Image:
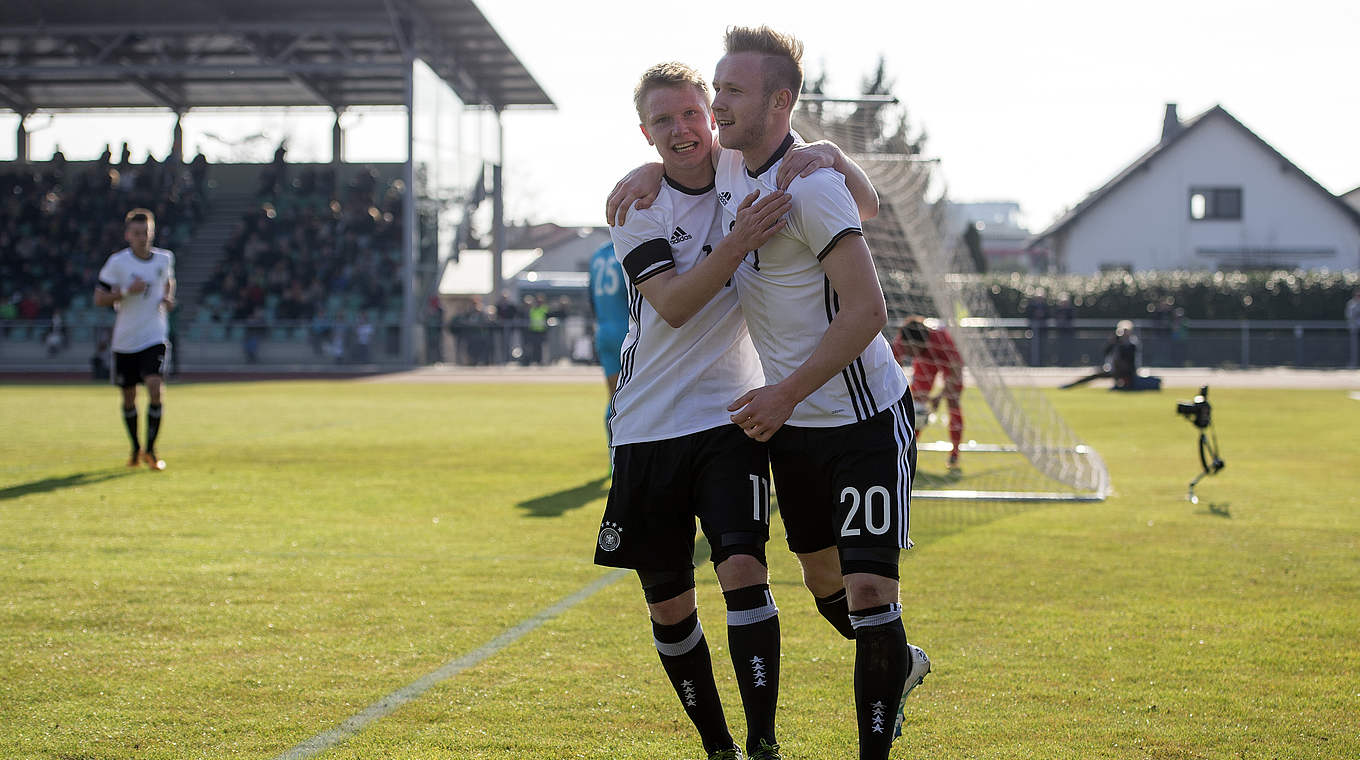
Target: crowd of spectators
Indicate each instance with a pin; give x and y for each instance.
(510, 330)
(310, 251)
(60, 221)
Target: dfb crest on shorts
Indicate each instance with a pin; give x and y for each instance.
(610, 536)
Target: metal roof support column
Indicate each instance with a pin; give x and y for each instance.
(408, 227)
(337, 140)
(21, 140)
(177, 140)
(498, 209)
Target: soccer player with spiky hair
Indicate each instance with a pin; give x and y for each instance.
(139, 283)
(835, 406)
(677, 455)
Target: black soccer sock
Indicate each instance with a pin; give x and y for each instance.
(753, 638)
(153, 425)
(684, 656)
(881, 663)
(836, 609)
(130, 420)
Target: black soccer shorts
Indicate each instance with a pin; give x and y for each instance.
(848, 487)
(719, 476)
(134, 368)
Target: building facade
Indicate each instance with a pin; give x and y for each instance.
(1210, 195)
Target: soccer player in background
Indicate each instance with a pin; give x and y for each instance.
(139, 283)
(677, 455)
(609, 302)
(932, 354)
(835, 407)
(1120, 360)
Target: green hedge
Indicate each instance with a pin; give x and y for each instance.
(1204, 295)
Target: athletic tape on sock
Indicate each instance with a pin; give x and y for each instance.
(677, 648)
(876, 616)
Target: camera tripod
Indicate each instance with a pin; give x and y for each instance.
(1208, 459)
(1200, 414)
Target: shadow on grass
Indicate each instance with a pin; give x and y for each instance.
(931, 519)
(934, 519)
(1220, 510)
(75, 480)
(554, 504)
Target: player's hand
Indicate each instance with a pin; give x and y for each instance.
(759, 220)
(640, 186)
(804, 159)
(761, 412)
(138, 286)
(168, 302)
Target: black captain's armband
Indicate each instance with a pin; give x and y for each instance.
(648, 260)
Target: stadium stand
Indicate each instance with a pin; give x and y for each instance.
(441, 62)
(306, 249)
(59, 221)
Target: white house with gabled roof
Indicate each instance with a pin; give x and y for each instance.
(1353, 198)
(1210, 195)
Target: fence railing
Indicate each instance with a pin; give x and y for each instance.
(33, 344)
(1207, 343)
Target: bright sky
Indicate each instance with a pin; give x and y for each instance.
(1037, 102)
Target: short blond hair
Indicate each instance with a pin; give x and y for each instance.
(669, 74)
(140, 215)
(784, 55)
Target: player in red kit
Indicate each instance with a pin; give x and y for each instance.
(933, 353)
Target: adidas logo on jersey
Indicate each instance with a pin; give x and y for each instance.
(723, 198)
(679, 236)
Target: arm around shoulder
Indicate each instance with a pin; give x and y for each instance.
(803, 160)
(857, 182)
(679, 296)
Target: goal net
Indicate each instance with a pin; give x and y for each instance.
(1015, 447)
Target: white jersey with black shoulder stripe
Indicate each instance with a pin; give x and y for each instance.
(141, 322)
(675, 381)
(788, 300)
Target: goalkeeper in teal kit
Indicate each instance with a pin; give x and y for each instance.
(609, 300)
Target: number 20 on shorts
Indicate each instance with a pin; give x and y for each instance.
(877, 503)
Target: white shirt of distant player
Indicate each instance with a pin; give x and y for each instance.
(676, 381)
(141, 321)
(788, 300)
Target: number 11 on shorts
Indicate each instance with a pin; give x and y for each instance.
(760, 498)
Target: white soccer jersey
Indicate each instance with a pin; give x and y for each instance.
(141, 321)
(788, 300)
(676, 381)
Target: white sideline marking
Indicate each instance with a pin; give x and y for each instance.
(390, 703)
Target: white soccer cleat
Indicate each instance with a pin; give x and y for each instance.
(920, 666)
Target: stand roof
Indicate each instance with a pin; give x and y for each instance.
(182, 54)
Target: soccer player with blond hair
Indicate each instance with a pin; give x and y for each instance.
(835, 407)
(677, 455)
(139, 283)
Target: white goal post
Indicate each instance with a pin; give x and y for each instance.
(1017, 448)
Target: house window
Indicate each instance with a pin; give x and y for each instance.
(1215, 203)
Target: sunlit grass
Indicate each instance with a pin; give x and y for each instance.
(316, 546)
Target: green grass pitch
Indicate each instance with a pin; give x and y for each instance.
(316, 546)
